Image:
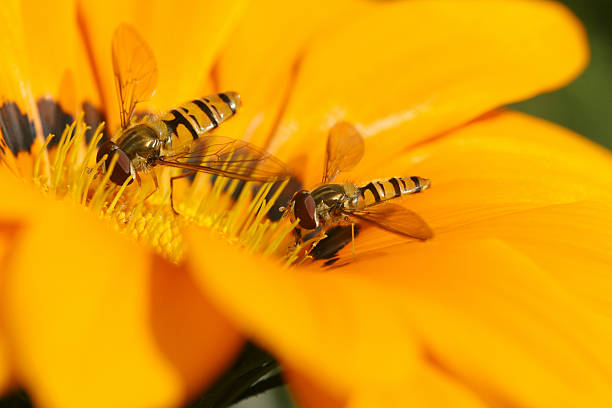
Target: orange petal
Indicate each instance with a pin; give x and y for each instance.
(260, 57)
(503, 144)
(185, 39)
(45, 80)
(331, 326)
(308, 393)
(547, 235)
(450, 61)
(15, 71)
(501, 164)
(482, 320)
(6, 368)
(7, 237)
(91, 313)
(59, 67)
(44, 63)
(431, 388)
(494, 319)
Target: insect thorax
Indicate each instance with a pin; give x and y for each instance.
(330, 199)
(142, 144)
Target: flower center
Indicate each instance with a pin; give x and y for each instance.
(236, 210)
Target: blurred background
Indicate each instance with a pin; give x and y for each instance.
(584, 106)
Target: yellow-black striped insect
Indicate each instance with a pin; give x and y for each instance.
(177, 138)
(337, 204)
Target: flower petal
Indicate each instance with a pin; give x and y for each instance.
(485, 321)
(96, 320)
(59, 67)
(7, 236)
(44, 72)
(259, 59)
(6, 368)
(501, 164)
(308, 393)
(450, 61)
(185, 38)
(431, 388)
(495, 320)
(330, 326)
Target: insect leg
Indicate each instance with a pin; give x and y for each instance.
(156, 187)
(189, 173)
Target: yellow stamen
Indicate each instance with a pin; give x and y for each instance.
(243, 221)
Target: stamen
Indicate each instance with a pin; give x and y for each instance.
(234, 209)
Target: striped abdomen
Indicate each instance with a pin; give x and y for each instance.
(378, 191)
(192, 119)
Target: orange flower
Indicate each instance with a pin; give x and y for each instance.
(506, 306)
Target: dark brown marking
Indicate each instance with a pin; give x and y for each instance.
(396, 186)
(228, 101)
(179, 119)
(204, 108)
(370, 186)
(382, 188)
(417, 184)
(17, 128)
(53, 119)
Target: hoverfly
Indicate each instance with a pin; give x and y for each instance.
(336, 204)
(176, 138)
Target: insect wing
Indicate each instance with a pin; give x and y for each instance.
(345, 149)
(397, 219)
(229, 157)
(135, 70)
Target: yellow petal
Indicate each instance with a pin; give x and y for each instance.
(44, 64)
(16, 92)
(6, 368)
(488, 323)
(96, 320)
(59, 67)
(492, 318)
(418, 68)
(308, 393)
(431, 388)
(184, 37)
(501, 164)
(261, 57)
(331, 326)
(7, 237)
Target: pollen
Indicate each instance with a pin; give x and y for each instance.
(235, 210)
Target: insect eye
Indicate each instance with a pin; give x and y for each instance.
(304, 208)
(123, 167)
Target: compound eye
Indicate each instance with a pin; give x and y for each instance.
(304, 208)
(123, 167)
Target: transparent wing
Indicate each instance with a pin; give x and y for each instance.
(345, 148)
(135, 70)
(228, 157)
(397, 219)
